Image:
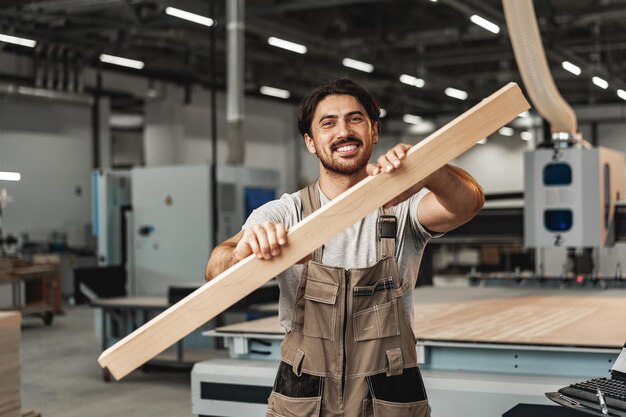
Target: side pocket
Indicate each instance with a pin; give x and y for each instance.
(293, 395)
(388, 409)
(320, 318)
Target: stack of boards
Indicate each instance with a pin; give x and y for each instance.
(10, 404)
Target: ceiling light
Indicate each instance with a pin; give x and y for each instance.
(412, 119)
(290, 46)
(274, 92)
(524, 114)
(482, 141)
(485, 24)
(192, 17)
(600, 82)
(574, 69)
(526, 135)
(383, 112)
(506, 131)
(455, 93)
(411, 80)
(124, 62)
(10, 176)
(18, 41)
(358, 65)
(621, 94)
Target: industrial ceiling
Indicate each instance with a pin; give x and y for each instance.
(434, 41)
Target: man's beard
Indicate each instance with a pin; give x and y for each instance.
(341, 167)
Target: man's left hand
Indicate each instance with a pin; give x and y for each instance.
(390, 162)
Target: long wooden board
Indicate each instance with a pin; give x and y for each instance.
(235, 283)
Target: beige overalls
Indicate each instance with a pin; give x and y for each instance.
(351, 350)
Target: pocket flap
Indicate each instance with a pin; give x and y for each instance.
(322, 292)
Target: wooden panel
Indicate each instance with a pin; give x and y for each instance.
(581, 320)
(246, 276)
(567, 320)
(10, 404)
(266, 325)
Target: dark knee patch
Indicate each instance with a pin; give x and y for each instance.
(291, 385)
(405, 388)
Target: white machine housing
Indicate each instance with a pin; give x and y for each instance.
(570, 196)
(111, 192)
(172, 233)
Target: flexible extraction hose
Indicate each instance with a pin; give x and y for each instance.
(533, 66)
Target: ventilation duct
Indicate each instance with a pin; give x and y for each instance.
(533, 67)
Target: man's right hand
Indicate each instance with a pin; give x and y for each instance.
(263, 240)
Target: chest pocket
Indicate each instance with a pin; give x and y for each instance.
(377, 309)
(320, 309)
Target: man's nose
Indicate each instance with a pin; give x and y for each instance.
(343, 129)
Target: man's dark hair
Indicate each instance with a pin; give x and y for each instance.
(342, 86)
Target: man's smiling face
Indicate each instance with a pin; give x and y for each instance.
(342, 134)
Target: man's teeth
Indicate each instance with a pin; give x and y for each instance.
(346, 148)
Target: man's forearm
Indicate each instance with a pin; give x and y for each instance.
(457, 191)
(222, 258)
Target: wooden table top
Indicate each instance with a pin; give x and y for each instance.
(582, 319)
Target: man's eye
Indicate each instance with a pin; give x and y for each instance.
(356, 119)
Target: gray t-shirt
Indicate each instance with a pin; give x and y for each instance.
(354, 248)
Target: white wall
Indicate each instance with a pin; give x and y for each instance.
(179, 133)
(50, 144)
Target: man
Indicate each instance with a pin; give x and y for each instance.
(349, 349)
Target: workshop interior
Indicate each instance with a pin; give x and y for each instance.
(136, 135)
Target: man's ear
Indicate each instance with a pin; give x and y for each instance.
(375, 130)
(310, 146)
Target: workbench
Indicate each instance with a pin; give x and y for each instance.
(34, 288)
(122, 315)
(481, 350)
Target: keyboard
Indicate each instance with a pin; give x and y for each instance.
(614, 392)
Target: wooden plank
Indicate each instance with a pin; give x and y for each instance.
(232, 285)
(558, 320)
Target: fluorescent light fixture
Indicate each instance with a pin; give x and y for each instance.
(621, 94)
(411, 80)
(526, 135)
(568, 66)
(485, 24)
(412, 119)
(274, 92)
(600, 82)
(482, 141)
(506, 131)
(290, 46)
(383, 112)
(9, 176)
(18, 41)
(126, 121)
(192, 17)
(357, 65)
(455, 93)
(524, 114)
(124, 62)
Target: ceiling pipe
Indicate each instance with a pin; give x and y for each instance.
(533, 66)
(235, 81)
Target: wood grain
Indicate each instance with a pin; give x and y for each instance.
(235, 283)
(584, 321)
(545, 320)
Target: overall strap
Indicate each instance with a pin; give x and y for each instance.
(385, 246)
(310, 202)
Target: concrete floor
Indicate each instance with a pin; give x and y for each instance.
(61, 376)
